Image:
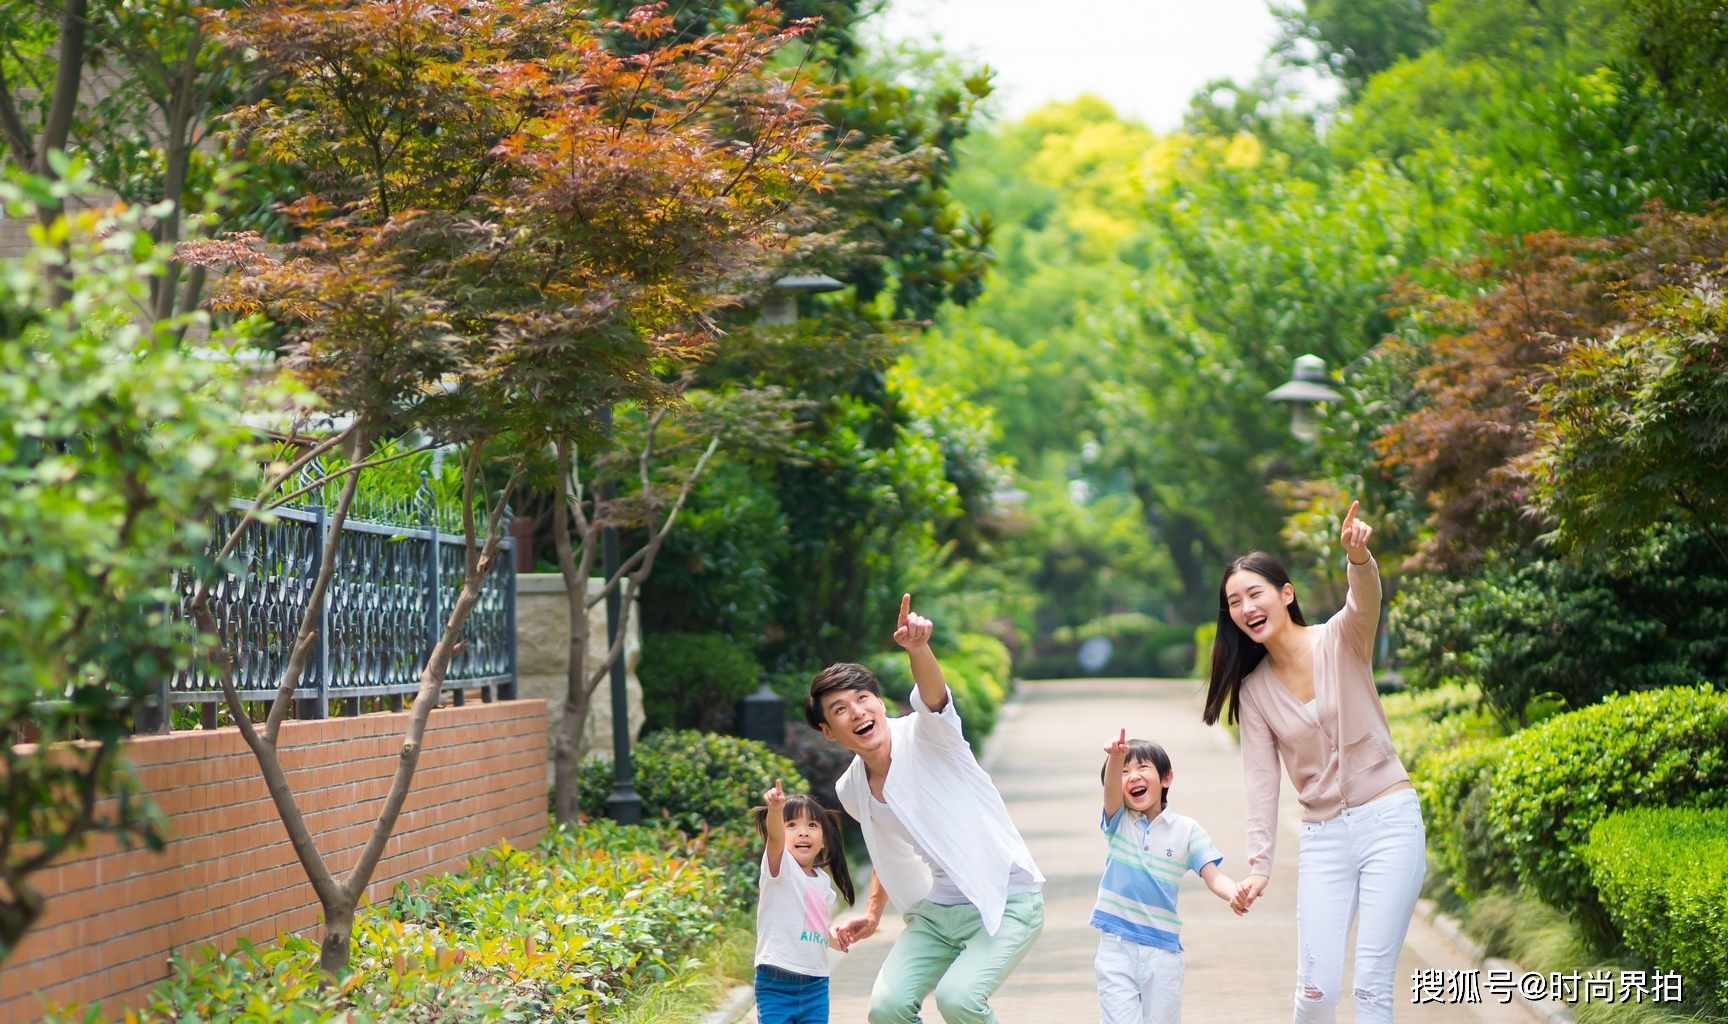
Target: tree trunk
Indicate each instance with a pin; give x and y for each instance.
(338, 941)
(67, 80)
(18, 913)
(567, 757)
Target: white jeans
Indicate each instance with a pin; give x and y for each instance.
(1368, 860)
(1138, 984)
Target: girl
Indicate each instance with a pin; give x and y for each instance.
(1305, 695)
(1139, 961)
(796, 907)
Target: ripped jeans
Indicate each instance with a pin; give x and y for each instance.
(1366, 861)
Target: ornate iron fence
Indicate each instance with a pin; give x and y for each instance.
(393, 588)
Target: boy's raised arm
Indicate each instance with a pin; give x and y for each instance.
(914, 635)
(1118, 751)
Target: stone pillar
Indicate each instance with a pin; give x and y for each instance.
(542, 657)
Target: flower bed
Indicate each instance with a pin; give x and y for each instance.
(561, 933)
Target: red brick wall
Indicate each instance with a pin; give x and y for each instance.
(228, 871)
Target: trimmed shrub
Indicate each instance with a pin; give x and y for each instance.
(692, 780)
(1662, 875)
(694, 680)
(1455, 785)
(1665, 748)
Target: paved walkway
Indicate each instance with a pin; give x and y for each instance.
(1045, 757)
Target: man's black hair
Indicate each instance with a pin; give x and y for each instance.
(845, 675)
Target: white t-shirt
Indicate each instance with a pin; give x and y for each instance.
(951, 815)
(792, 918)
(943, 891)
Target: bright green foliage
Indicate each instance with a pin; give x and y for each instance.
(607, 908)
(1667, 748)
(977, 669)
(115, 448)
(1652, 617)
(1662, 874)
(692, 680)
(692, 780)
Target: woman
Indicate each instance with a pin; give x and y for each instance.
(1305, 695)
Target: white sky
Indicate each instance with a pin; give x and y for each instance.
(1145, 56)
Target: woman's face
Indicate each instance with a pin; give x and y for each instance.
(1258, 608)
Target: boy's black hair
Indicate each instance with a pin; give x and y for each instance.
(844, 675)
(833, 855)
(1145, 752)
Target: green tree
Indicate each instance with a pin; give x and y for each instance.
(116, 450)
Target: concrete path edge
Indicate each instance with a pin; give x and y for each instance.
(1452, 930)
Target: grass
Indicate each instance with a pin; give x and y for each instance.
(1537, 937)
(722, 965)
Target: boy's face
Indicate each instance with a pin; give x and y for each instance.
(1142, 789)
(855, 719)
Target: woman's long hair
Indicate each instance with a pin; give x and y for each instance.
(833, 855)
(1233, 654)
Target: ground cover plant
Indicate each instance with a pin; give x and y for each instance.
(571, 930)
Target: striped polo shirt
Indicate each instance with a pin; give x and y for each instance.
(1146, 862)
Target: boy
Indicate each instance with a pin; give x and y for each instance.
(1139, 962)
(940, 839)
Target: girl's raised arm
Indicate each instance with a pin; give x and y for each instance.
(774, 825)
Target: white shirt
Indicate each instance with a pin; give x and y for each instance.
(792, 918)
(951, 818)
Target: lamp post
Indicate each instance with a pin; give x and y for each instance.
(1305, 389)
(624, 805)
(780, 309)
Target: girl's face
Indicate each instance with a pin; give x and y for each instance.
(1258, 608)
(804, 840)
(1142, 789)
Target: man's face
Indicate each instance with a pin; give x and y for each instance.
(855, 719)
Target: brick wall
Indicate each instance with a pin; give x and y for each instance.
(228, 872)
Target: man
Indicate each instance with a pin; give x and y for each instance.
(940, 839)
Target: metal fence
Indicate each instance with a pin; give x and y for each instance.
(392, 590)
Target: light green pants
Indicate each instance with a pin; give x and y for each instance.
(946, 950)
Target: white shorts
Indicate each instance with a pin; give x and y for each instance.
(1138, 984)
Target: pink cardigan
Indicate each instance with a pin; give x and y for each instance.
(1344, 760)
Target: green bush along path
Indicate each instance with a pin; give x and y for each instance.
(1045, 757)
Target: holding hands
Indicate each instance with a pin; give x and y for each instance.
(1354, 536)
(1247, 891)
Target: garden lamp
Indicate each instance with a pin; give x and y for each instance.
(1305, 389)
(780, 309)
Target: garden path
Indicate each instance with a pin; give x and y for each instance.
(1045, 756)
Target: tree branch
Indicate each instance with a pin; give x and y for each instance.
(314, 603)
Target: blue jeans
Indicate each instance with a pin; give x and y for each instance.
(786, 998)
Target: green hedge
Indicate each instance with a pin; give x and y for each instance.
(692, 780)
(608, 909)
(1554, 781)
(1662, 874)
(694, 680)
(1455, 785)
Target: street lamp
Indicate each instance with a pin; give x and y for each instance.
(780, 309)
(1304, 390)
